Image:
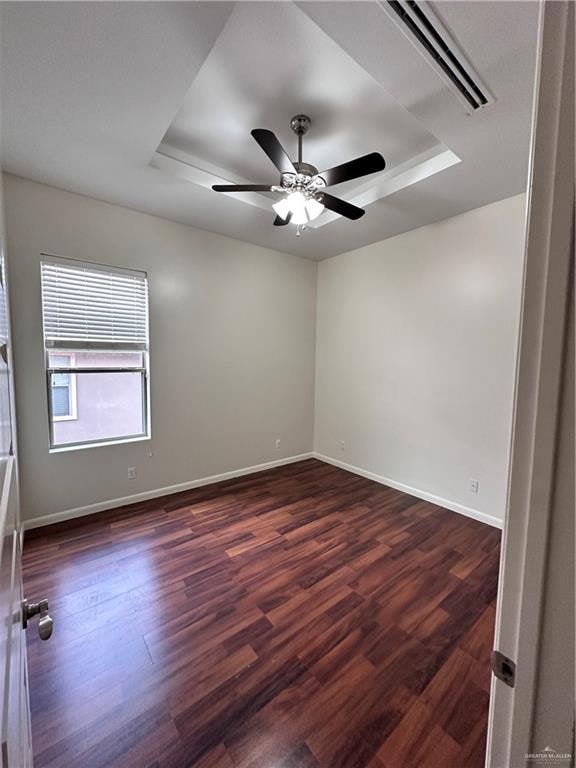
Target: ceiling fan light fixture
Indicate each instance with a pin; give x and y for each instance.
(302, 208)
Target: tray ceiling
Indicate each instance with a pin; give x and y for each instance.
(148, 104)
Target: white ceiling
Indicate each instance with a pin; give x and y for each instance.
(147, 104)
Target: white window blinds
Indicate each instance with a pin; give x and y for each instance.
(93, 305)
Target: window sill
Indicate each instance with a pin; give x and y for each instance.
(98, 444)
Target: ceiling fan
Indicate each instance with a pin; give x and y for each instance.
(302, 186)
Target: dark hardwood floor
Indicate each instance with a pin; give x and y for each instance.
(299, 617)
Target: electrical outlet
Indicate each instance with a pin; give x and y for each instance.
(342, 445)
(131, 473)
(277, 444)
(473, 486)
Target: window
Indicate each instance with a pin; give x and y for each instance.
(96, 352)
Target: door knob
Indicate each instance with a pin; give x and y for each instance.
(45, 621)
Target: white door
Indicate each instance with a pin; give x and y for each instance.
(16, 740)
(513, 720)
(16, 743)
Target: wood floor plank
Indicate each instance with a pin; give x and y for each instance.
(303, 617)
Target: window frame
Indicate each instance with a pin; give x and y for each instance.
(69, 346)
(72, 399)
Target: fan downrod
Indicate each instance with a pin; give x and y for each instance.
(300, 125)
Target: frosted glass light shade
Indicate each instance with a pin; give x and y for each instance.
(297, 203)
(313, 209)
(282, 207)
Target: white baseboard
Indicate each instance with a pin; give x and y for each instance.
(101, 506)
(451, 505)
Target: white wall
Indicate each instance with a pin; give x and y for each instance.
(232, 349)
(415, 356)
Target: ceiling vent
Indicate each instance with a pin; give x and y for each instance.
(427, 33)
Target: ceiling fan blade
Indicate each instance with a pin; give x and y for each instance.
(274, 150)
(242, 188)
(362, 166)
(280, 222)
(341, 206)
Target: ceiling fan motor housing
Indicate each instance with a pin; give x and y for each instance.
(306, 181)
(306, 169)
